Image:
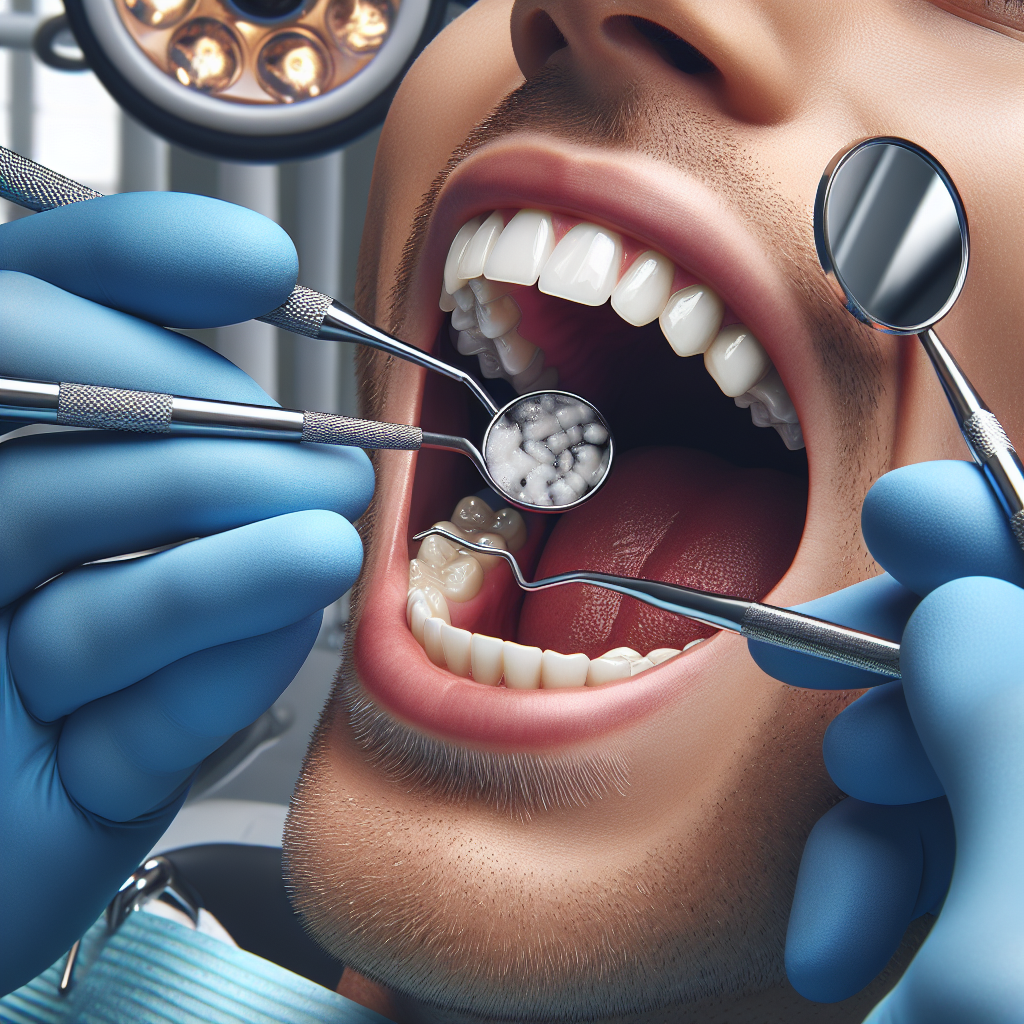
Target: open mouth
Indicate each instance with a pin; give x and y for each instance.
(708, 490)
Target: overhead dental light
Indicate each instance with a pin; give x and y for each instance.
(259, 80)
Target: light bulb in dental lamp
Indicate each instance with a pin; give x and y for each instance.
(254, 80)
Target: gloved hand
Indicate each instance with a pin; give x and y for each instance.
(942, 749)
(118, 679)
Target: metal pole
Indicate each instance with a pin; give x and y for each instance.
(22, 101)
(251, 346)
(145, 159)
(319, 227)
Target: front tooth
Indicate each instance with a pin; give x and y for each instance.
(522, 249)
(498, 317)
(584, 266)
(432, 642)
(642, 293)
(455, 643)
(608, 670)
(522, 666)
(691, 318)
(479, 248)
(487, 659)
(563, 671)
(772, 393)
(447, 301)
(736, 360)
(656, 657)
(453, 280)
(515, 352)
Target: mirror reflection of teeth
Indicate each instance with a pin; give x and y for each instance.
(487, 254)
(441, 572)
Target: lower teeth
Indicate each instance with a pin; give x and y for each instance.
(487, 659)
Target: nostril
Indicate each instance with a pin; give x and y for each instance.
(535, 39)
(682, 55)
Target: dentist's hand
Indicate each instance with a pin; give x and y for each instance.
(116, 680)
(940, 751)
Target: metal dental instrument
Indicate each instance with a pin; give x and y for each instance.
(892, 238)
(147, 412)
(315, 315)
(778, 626)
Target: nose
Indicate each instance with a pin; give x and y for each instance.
(737, 57)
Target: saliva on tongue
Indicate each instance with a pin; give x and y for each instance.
(672, 514)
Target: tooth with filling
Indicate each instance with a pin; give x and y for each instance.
(563, 671)
(522, 666)
(642, 293)
(487, 659)
(479, 248)
(498, 317)
(736, 360)
(584, 265)
(432, 642)
(691, 319)
(455, 643)
(522, 248)
(453, 280)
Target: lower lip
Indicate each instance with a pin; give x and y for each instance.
(397, 674)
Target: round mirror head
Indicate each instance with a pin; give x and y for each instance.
(891, 234)
(548, 451)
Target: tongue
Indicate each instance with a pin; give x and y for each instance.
(670, 514)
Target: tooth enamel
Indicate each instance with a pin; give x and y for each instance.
(464, 298)
(417, 611)
(456, 643)
(691, 319)
(792, 434)
(432, 642)
(490, 367)
(529, 379)
(471, 342)
(522, 666)
(465, 319)
(487, 659)
(662, 654)
(642, 293)
(562, 671)
(607, 670)
(736, 360)
(522, 249)
(693, 643)
(640, 666)
(447, 301)
(453, 281)
(490, 540)
(498, 317)
(772, 393)
(584, 266)
(438, 563)
(473, 515)
(479, 248)
(637, 662)
(484, 291)
(514, 352)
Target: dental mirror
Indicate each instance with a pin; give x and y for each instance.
(891, 235)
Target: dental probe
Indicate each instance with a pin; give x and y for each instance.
(148, 412)
(752, 619)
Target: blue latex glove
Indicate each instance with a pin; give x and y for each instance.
(942, 749)
(118, 679)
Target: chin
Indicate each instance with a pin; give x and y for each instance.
(570, 806)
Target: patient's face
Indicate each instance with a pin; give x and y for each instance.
(499, 833)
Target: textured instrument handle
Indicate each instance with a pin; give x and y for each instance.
(35, 187)
(784, 628)
(327, 428)
(84, 405)
(301, 313)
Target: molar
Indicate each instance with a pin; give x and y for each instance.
(497, 317)
(522, 248)
(607, 670)
(514, 352)
(642, 293)
(473, 515)
(662, 654)
(584, 266)
(453, 280)
(439, 563)
(490, 540)
(691, 319)
(736, 360)
(474, 256)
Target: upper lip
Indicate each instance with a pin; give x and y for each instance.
(691, 225)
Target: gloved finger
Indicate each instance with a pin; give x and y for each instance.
(934, 522)
(123, 755)
(175, 259)
(873, 752)
(75, 497)
(50, 334)
(866, 872)
(100, 628)
(880, 606)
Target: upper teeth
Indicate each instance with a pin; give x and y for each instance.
(585, 266)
